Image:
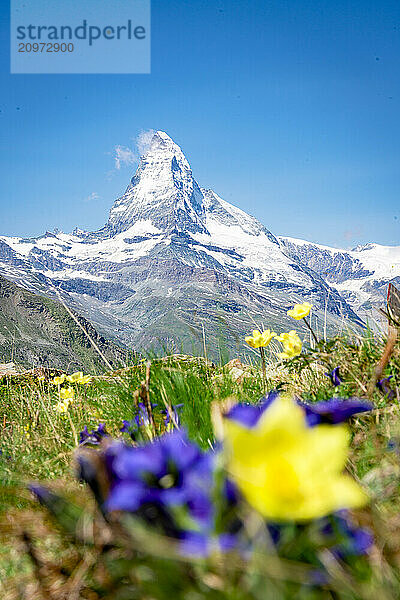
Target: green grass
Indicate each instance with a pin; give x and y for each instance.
(37, 443)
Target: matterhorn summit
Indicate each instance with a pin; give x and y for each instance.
(163, 190)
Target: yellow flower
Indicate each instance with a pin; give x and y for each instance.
(291, 344)
(62, 406)
(299, 311)
(289, 471)
(67, 393)
(59, 380)
(41, 378)
(28, 429)
(79, 378)
(75, 377)
(260, 340)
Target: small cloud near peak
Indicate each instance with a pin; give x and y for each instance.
(92, 196)
(124, 156)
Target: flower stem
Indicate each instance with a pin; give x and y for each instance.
(73, 429)
(311, 330)
(264, 368)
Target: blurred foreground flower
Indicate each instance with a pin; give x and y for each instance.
(299, 311)
(353, 541)
(333, 411)
(288, 470)
(291, 344)
(260, 339)
(171, 471)
(92, 437)
(169, 483)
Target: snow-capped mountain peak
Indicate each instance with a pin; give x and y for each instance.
(162, 189)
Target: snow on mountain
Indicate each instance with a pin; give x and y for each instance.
(163, 188)
(361, 275)
(173, 256)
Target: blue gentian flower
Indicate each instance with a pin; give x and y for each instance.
(142, 418)
(245, 414)
(333, 411)
(170, 483)
(93, 437)
(170, 472)
(249, 414)
(130, 427)
(168, 422)
(334, 377)
(347, 539)
(139, 424)
(384, 386)
(229, 535)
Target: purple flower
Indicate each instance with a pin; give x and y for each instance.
(171, 484)
(142, 418)
(334, 376)
(168, 422)
(130, 427)
(334, 411)
(344, 539)
(141, 421)
(384, 387)
(168, 473)
(224, 533)
(245, 414)
(249, 414)
(93, 437)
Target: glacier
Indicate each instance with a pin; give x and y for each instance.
(360, 275)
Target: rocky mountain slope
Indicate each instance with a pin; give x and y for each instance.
(174, 262)
(361, 275)
(37, 331)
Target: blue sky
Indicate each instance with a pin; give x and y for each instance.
(287, 109)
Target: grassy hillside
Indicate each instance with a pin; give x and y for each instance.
(36, 331)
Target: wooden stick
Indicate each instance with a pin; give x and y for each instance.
(383, 361)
